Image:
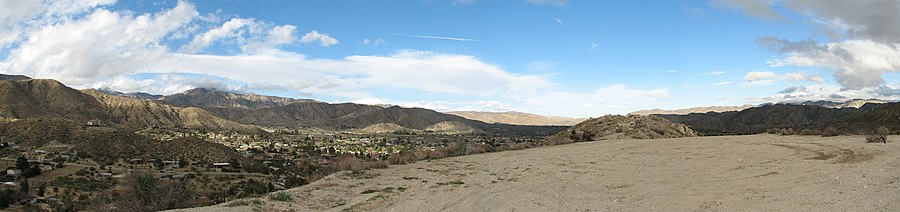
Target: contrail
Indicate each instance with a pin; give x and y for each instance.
(433, 37)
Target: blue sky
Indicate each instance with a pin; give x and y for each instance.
(550, 57)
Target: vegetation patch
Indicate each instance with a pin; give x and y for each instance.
(281, 197)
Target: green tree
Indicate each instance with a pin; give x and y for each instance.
(22, 163)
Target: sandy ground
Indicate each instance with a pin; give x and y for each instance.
(732, 173)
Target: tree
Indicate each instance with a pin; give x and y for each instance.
(41, 189)
(21, 163)
(23, 187)
(149, 193)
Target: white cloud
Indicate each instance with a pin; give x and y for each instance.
(856, 64)
(768, 77)
(723, 83)
(231, 29)
(755, 8)
(102, 44)
(322, 39)
(714, 73)
(831, 93)
(375, 43)
(19, 17)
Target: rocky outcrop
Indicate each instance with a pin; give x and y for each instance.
(623, 127)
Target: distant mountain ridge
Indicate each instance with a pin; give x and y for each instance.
(798, 117)
(517, 118)
(286, 112)
(46, 98)
(212, 98)
(692, 110)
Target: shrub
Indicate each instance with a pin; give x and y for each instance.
(281, 197)
(807, 132)
(831, 131)
(882, 131)
(876, 139)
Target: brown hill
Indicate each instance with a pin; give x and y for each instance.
(517, 118)
(13, 77)
(385, 128)
(211, 98)
(45, 98)
(798, 117)
(451, 127)
(623, 127)
(141, 113)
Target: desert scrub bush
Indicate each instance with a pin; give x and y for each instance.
(876, 139)
(281, 197)
(882, 131)
(830, 131)
(807, 132)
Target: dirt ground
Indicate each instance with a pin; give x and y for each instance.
(728, 173)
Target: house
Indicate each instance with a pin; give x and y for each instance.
(40, 151)
(173, 163)
(221, 165)
(14, 172)
(93, 123)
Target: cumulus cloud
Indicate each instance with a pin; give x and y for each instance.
(316, 37)
(101, 45)
(831, 93)
(250, 34)
(856, 64)
(767, 77)
(755, 8)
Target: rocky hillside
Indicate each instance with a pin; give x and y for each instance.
(797, 117)
(211, 98)
(50, 99)
(621, 127)
(141, 113)
(517, 118)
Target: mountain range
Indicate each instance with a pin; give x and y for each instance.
(517, 118)
(44, 98)
(202, 108)
(815, 118)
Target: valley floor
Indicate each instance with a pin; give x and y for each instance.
(728, 173)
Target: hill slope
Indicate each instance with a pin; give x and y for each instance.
(760, 119)
(286, 112)
(730, 173)
(211, 98)
(517, 118)
(44, 98)
(622, 127)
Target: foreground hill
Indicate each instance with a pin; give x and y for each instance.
(727, 173)
(622, 127)
(797, 117)
(45, 98)
(285, 112)
(517, 118)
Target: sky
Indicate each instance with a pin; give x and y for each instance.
(549, 57)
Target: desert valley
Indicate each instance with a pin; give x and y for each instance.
(449, 105)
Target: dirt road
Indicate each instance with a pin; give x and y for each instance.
(757, 172)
